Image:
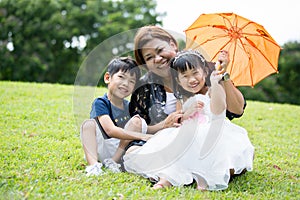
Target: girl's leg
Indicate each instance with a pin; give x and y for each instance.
(162, 183)
(89, 142)
(201, 183)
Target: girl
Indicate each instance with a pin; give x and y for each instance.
(207, 147)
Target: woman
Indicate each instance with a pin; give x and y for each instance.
(154, 99)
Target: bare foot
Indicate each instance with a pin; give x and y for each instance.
(162, 183)
(157, 186)
(201, 188)
(201, 185)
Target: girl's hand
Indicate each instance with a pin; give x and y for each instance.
(215, 78)
(197, 106)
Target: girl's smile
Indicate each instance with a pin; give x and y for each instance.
(192, 80)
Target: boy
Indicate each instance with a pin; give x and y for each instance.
(110, 120)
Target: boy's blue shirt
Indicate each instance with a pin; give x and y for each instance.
(99, 107)
(102, 106)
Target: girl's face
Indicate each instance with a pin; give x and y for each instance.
(121, 84)
(157, 54)
(192, 80)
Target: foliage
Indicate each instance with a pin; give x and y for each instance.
(283, 87)
(46, 41)
(41, 156)
(289, 73)
(49, 40)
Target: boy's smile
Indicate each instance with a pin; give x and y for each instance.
(121, 84)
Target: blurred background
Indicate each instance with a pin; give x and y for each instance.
(47, 41)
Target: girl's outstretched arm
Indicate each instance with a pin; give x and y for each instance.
(217, 94)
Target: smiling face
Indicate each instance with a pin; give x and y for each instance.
(120, 84)
(192, 79)
(157, 54)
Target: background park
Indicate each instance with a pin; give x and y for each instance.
(43, 46)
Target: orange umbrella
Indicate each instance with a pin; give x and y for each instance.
(253, 52)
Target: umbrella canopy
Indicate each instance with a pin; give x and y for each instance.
(252, 51)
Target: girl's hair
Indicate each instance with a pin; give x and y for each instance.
(184, 60)
(146, 34)
(124, 64)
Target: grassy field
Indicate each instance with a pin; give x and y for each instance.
(42, 157)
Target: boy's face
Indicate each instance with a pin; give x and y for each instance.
(121, 84)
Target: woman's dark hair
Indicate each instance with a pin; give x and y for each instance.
(184, 60)
(124, 64)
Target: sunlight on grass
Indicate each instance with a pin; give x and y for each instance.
(42, 157)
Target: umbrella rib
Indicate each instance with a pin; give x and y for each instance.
(221, 48)
(249, 58)
(209, 39)
(266, 38)
(225, 18)
(250, 43)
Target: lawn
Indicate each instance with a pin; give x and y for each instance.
(42, 157)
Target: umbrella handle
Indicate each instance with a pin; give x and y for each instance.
(220, 67)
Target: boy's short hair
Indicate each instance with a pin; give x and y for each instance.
(124, 64)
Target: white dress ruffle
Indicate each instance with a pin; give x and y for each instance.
(205, 146)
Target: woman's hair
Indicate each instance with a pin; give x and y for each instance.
(146, 34)
(124, 64)
(184, 60)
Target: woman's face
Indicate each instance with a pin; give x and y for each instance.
(192, 80)
(157, 54)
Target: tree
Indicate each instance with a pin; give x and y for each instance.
(282, 87)
(46, 41)
(289, 73)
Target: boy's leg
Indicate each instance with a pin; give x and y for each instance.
(120, 150)
(89, 142)
(136, 124)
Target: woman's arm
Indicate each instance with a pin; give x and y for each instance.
(171, 121)
(234, 98)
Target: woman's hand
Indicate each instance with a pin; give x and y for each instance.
(173, 119)
(223, 61)
(146, 137)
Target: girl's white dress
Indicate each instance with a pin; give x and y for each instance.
(206, 146)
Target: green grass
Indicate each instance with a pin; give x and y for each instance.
(42, 157)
